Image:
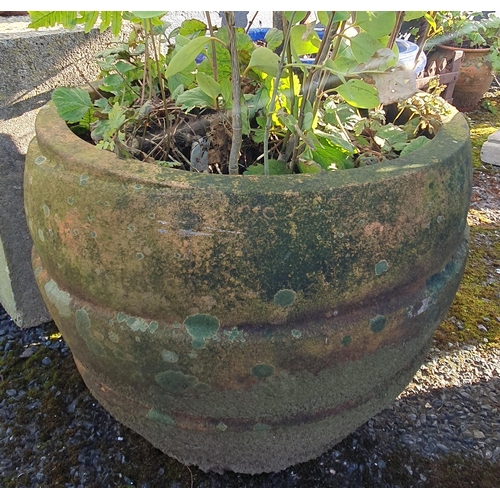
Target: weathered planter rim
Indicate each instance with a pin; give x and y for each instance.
(451, 134)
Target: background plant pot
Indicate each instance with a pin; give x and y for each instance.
(474, 78)
(246, 323)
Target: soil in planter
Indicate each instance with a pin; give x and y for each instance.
(201, 141)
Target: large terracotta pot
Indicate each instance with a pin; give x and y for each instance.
(474, 78)
(246, 323)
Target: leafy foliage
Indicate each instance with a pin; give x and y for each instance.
(467, 29)
(303, 100)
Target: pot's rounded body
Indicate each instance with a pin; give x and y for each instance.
(246, 323)
(474, 77)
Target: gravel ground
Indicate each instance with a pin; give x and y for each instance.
(443, 430)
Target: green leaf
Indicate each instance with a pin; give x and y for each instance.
(392, 133)
(103, 105)
(304, 42)
(208, 85)
(308, 166)
(194, 98)
(359, 94)
(378, 24)
(331, 156)
(116, 117)
(264, 60)
(341, 15)
(410, 15)
(124, 66)
(191, 26)
(341, 65)
(258, 101)
(148, 15)
(335, 138)
(71, 103)
(297, 16)
(113, 82)
(90, 19)
(227, 92)
(275, 168)
(273, 38)
(380, 62)
(113, 19)
(414, 145)
(289, 120)
(324, 17)
(46, 19)
(186, 55)
(363, 46)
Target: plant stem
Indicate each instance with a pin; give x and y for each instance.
(251, 22)
(236, 109)
(212, 41)
(423, 41)
(273, 98)
(400, 16)
(161, 84)
(333, 55)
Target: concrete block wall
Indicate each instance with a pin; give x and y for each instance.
(32, 64)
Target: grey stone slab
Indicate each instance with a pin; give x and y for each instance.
(490, 151)
(32, 64)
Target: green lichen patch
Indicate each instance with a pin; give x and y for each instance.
(284, 298)
(121, 317)
(262, 370)
(160, 417)
(233, 333)
(59, 298)
(261, 427)
(83, 324)
(346, 340)
(201, 327)
(83, 179)
(381, 267)
(377, 324)
(136, 324)
(169, 356)
(175, 382)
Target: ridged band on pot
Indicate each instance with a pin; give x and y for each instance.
(474, 77)
(246, 323)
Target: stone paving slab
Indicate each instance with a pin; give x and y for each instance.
(490, 152)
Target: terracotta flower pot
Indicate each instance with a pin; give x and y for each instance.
(474, 78)
(246, 323)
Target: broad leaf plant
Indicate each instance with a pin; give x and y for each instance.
(312, 96)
